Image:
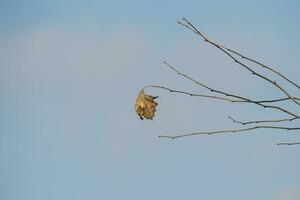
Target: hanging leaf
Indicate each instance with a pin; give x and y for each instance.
(145, 105)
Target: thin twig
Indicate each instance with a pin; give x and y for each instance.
(262, 121)
(288, 143)
(179, 22)
(229, 131)
(229, 94)
(203, 85)
(276, 100)
(195, 94)
(239, 62)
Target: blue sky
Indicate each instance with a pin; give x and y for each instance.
(69, 75)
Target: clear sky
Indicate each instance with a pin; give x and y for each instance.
(69, 75)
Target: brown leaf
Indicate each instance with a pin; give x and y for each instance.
(145, 105)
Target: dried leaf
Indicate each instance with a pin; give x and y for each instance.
(145, 105)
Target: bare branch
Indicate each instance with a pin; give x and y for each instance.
(233, 98)
(195, 94)
(179, 22)
(276, 100)
(262, 65)
(246, 100)
(224, 99)
(288, 143)
(203, 85)
(194, 29)
(262, 121)
(239, 62)
(230, 131)
(224, 93)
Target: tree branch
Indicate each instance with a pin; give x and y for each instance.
(276, 100)
(239, 62)
(195, 94)
(225, 93)
(229, 94)
(262, 65)
(288, 143)
(233, 98)
(262, 121)
(230, 131)
(239, 54)
(226, 100)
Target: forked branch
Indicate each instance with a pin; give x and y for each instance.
(190, 26)
(234, 98)
(226, 94)
(193, 29)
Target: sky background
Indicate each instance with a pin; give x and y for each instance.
(69, 75)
